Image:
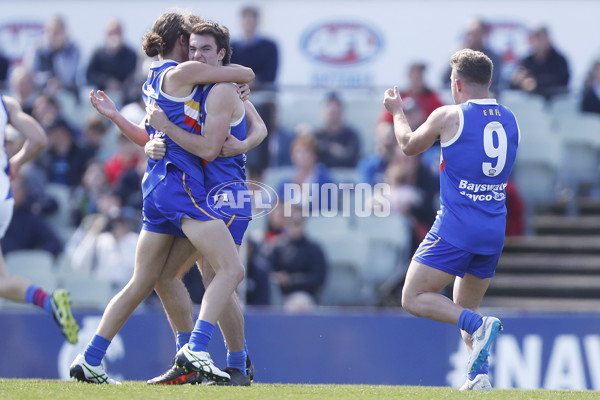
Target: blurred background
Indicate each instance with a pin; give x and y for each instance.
(322, 68)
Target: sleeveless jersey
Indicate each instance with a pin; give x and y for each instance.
(225, 177)
(474, 172)
(183, 112)
(5, 192)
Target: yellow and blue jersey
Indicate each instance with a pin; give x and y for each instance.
(475, 167)
(225, 177)
(184, 112)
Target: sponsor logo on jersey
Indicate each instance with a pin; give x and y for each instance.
(481, 191)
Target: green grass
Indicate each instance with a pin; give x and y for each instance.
(23, 389)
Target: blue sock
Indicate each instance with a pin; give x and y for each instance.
(38, 297)
(96, 350)
(482, 370)
(469, 321)
(237, 360)
(201, 336)
(182, 339)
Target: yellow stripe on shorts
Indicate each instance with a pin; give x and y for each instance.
(428, 247)
(231, 220)
(189, 192)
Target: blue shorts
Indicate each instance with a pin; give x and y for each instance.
(237, 227)
(179, 196)
(439, 254)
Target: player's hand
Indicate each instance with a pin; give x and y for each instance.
(103, 104)
(243, 90)
(157, 117)
(232, 147)
(392, 100)
(156, 148)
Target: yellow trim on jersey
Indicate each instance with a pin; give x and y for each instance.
(231, 220)
(428, 247)
(189, 192)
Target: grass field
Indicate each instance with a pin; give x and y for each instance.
(23, 389)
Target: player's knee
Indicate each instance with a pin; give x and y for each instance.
(408, 301)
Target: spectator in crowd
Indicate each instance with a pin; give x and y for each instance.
(28, 230)
(107, 249)
(425, 98)
(590, 100)
(279, 140)
(515, 211)
(545, 70)
(258, 268)
(113, 63)
(475, 38)
(338, 143)
(299, 265)
(256, 51)
(93, 134)
(127, 156)
(308, 174)
(371, 169)
(63, 160)
(46, 110)
(274, 151)
(86, 196)
(4, 65)
(55, 61)
(22, 88)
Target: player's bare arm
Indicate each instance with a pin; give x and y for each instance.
(257, 132)
(105, 106)
(190, 73)
(221, 102)
(442, 124)
(35, 137)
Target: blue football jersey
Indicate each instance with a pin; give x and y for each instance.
(225, 177)
(183, 112)
(474, 171)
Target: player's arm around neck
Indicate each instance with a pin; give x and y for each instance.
(194, 72)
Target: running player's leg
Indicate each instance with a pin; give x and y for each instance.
(172, 291)
(215, 244)
(232, 325)
(57, 304)
(421, 295)
(468, 293)
(151, 253)
(178, 307)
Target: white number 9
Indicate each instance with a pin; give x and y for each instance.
(498, 152)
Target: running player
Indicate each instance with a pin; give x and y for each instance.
(479, 140)
(173, 189)
(13, 287)
(223, 117)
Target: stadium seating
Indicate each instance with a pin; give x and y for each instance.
(35, 265)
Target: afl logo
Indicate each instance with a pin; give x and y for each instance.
(16, 37)
(237, 197)
(341, 43)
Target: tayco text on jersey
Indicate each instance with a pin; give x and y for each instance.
(481, 192)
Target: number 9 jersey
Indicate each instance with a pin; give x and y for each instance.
(474, 171)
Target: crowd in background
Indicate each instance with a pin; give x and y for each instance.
(100, 170)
